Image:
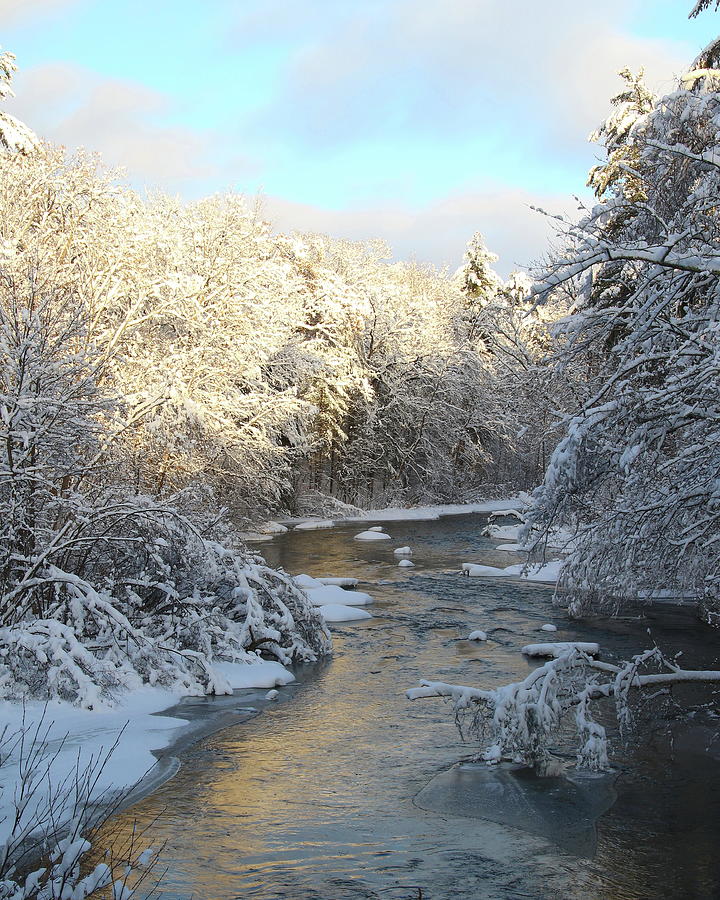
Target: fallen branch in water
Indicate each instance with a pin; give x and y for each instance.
(520, 719)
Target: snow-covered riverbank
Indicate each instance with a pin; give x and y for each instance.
(141, 726)
(72, 738)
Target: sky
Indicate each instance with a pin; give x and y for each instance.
(416, 121)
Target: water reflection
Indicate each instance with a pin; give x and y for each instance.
(315, 798)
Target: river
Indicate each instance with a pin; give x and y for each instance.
(342, 788)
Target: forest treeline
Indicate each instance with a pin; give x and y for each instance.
(258, 367)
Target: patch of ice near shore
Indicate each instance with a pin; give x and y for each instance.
(315, 524)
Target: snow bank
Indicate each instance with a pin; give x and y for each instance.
(372, 536)
(337, 612)
(554, 650)
(136, 723)
(265, 673)
(396, 514)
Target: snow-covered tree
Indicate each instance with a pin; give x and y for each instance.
(14, 135)
(638, 469)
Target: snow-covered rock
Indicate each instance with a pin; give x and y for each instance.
(477, 636)
(272, 528)
(331, 593)
(478, 571)
(503, 532)
(265, 673)
(406, 564)
(510, 513)
(403, 551)
(372, 536)
(548, 627)
(337, 612)
(307, 581)
(272, 695)
(547, 573)
(552, 651)
(376, 528)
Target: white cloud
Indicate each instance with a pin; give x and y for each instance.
(124, 121)
(461, 66)
(438, 232)
(14, 11)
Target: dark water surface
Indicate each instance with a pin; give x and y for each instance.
(344, 789)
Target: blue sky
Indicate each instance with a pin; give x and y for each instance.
(417, 121)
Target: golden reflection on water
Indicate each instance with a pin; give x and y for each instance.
(317, 792)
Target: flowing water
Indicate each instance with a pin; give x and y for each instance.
(344, 789)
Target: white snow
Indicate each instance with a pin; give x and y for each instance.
(376, 528)
(314, 524)
(514, 548)
(554, 650)
(503, 532)
(330, 593)
(307, 581)
(403, 551)
(337, 612)
(496, 514)
(372, 536)
(81, 733)
(265, 673)
(547, 573)
(548, 627)
(478, 571)
(272, 695)
(430, 513)
(406, 564)
(477, 636)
